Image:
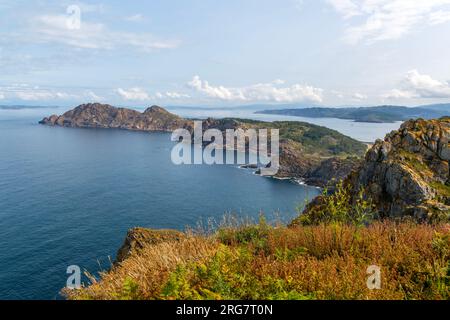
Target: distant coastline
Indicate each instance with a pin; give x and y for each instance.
(377, 114)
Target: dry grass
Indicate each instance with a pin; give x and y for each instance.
(303, 262)
(149, 269)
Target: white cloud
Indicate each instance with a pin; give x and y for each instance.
(136, 94)
(399, 94)
(135, 18)
(139, 94)
(258, 92)
(387, 19)
(175, 95)
(55, 29)
(92, 95)
(439, 17)
(2, 96)
(416, 85)
(338, 94)
(359, 96)
(278, 81)
(35, 93)
(347, 8)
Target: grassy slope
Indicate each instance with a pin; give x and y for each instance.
(313, 138)
(303, 262)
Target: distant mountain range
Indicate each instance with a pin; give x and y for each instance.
(376, 114)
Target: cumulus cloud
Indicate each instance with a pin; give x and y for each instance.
(136, 94)
(388, 19)
(417, 85)
(258, 92)
(399, 94)
(139, 94)
(56, 29)
(2, 96)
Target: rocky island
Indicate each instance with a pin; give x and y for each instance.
(96, 115)
(308, 152)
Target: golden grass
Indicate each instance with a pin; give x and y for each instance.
(149, 269)
(302, 262)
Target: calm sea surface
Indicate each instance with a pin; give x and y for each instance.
(68, 196)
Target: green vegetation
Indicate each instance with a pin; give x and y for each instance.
(442, 189)
(229, 274)
(336, 208)
(313, 138)
(414, 162)
(322, 259)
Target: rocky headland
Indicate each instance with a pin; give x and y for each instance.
(406, 174)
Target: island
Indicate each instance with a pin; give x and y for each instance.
(312, 154)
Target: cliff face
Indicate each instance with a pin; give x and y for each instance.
(332, 170)
(407, 174)
(95, 115)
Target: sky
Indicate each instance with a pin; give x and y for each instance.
(225, 53)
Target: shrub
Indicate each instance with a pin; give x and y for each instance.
(338, 208)
(229, 274)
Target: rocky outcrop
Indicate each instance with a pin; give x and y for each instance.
(294, 162)
(95, 115)
(332, 170)
(312, 169)
(138, 238)
(407, 174)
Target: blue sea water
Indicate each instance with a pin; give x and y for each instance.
(68, 197)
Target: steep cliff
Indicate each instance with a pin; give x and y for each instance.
(406, 174)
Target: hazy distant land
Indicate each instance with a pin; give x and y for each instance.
(378, 114)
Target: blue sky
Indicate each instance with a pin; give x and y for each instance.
(224, 53)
